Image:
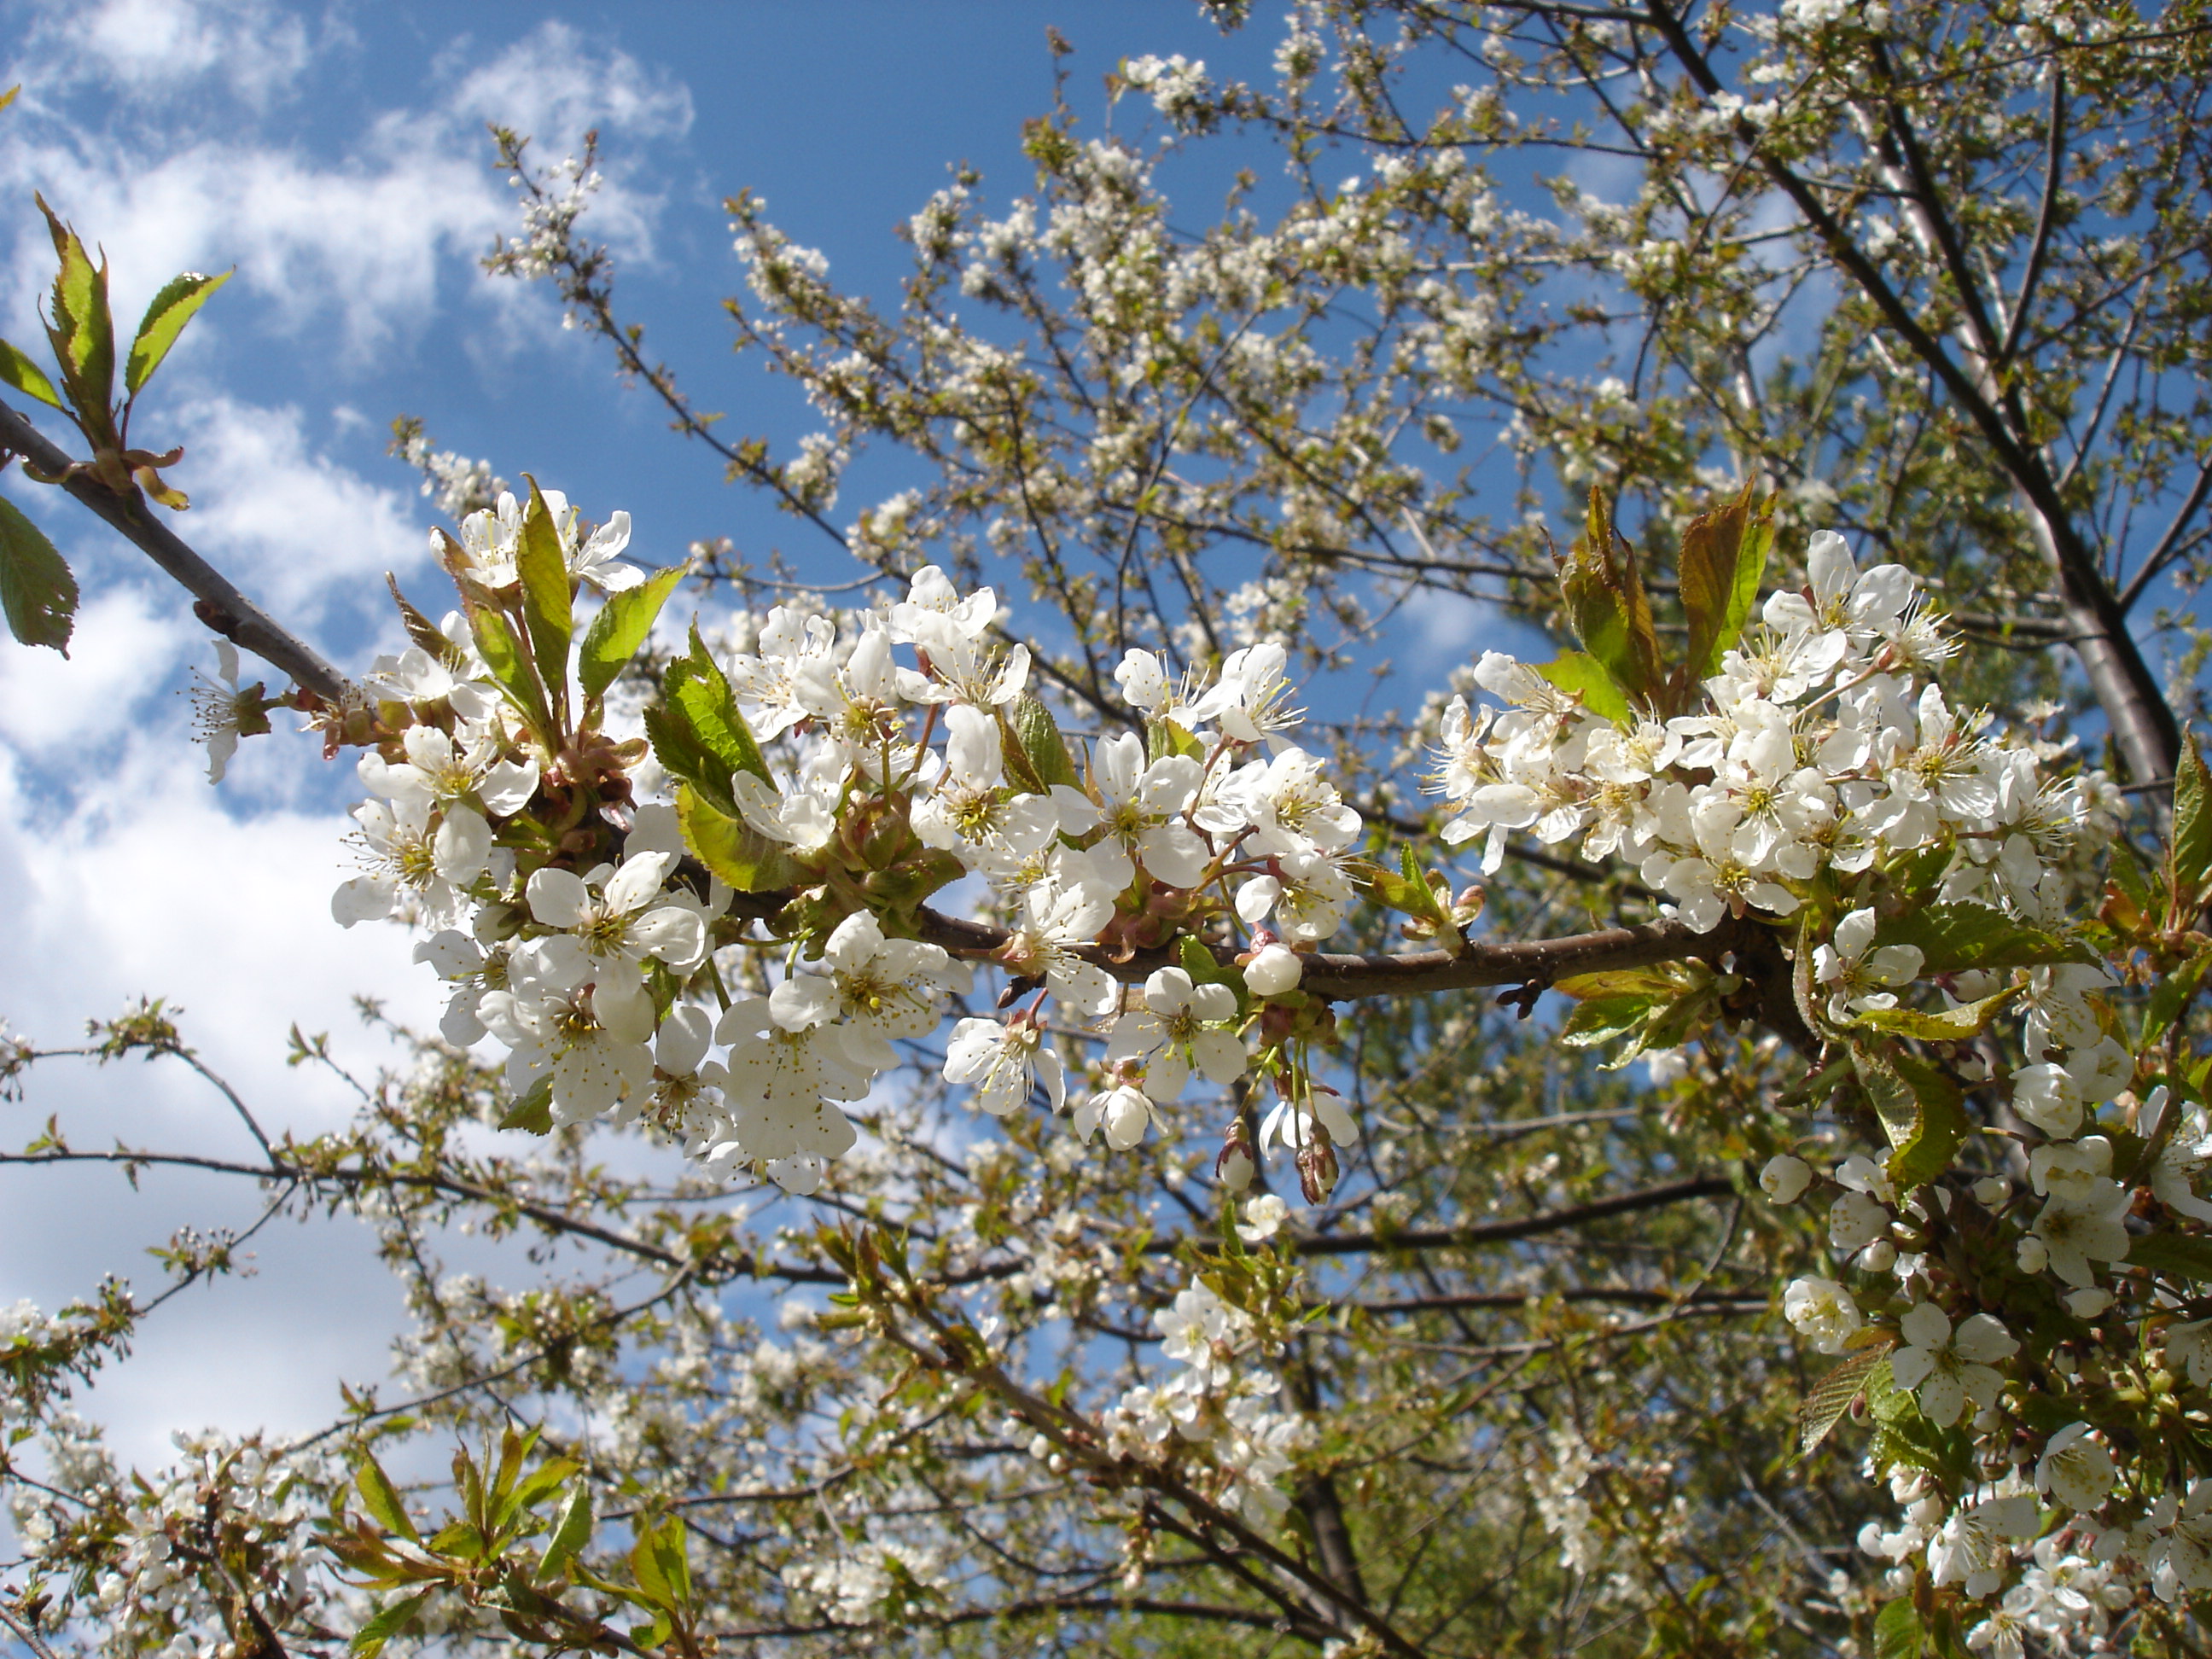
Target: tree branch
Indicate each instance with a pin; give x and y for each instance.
(222, 606)
(1499, 1232)
(2143, 723)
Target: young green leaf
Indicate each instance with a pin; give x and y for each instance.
(533, 1109)
(570, 1533)
(2176, 1254)
(26, 376)
(1723, 560)
(1922, 1111)
(165, 319)
(1597, 1020)
(1897, 1631)
(665, 1543)
(547, 604)
(381, 1499)
(1832, 1397)
(1041, 743)
(1955, 1024)
(1165, 738)
(2171, 996)
(1952, 938)
(731, 848)
(535, 1488)
(1583, 675)
(36, 589)
(695, 692)
(2192, 826)
(1607, 605)
(619, 628)
(510, 670)
(386, 1622)
(82, 332)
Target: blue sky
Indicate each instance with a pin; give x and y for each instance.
(338, 158)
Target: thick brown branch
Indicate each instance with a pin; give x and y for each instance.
(1342, 978)
(222, 606)
(1499, 1232)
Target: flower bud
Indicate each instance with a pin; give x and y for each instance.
(1235, 1165)
(1785, 1178)
(1274, 970)
(1317, 1168)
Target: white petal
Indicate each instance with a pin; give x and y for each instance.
(558, 898)
(637, 881)
(362, 899)
(673, 934)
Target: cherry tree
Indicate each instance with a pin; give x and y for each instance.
(1143, 1234)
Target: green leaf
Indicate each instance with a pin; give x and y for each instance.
(619, 628)
(2182, 1255)
(1601, 1019)
(533, 1109)
(647, 1565)
(1409, 890)
(1922, 1111)
(36, 589)
(708, 738)
(1955, 1024)
(535, 1487)
(26, 376)
(386, 1622)
(1041, 743)
(83, 332)
(1165, 738)
(510, 670)
(1832, 1397)
(733, 848)
(1897, 1631)
(2192, 857)
(1723, 560)
(165, 319)
(1607, 605)
(1952, 938)
(570, 1533)
(664, 1544)
(2170, 997)
(1583, 675)
(381, 1499)
(2125, 873)
(547, 606)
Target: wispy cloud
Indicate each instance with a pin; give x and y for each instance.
(368, 241)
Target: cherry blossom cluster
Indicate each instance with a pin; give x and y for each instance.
(596, 980)
(1824, 781)
(230, 1517)
(1218, 1407)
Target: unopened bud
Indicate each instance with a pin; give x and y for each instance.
(1276, 968)
(1317, 1170)
(1235, 1165)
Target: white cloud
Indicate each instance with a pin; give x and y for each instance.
(171, 133)
(50, 707)
(306, 538)
(553, 84)
(162, 48)
(368, 239)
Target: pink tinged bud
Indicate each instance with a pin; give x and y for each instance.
(1234, 1167)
